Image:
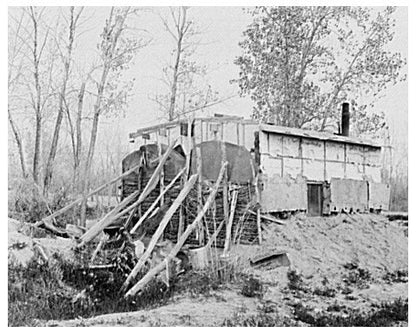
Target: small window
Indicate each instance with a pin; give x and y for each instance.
(214, 128)
(163, 132)
(184, 129)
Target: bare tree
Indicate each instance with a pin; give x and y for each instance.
(38, 96)
(75, 131)
(116, 52)
(66, 60)
(180, 77)
(14, 73)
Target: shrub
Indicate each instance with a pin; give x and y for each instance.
(35, 292)
(295, 281)
(261, 319)
(31, 206)
(358, 277)
(196, 283)
(399, 276)
(326, 292)
(60, 290)
(252, 287)
(386, 314)
(258, 320)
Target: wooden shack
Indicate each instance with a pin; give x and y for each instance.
(299, 170)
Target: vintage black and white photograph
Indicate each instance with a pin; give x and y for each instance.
(207, 166)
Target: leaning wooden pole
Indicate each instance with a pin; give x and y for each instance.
(230, 222)
(78, 201)
(106, 220)
(162, 265)
(147, 213)
(113, 215)
(172, 209)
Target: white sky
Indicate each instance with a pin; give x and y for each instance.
(222, 27)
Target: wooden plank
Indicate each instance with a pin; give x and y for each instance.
(162, 172)
(146, 214)
(172, 209)
(259, 225)
(268, 218)
(113, 215)
(159, 268)
(230, 221)
(103, 240)
(256, 186)
(78, 201)
(198, 160)
(106, 220)
(225, 178)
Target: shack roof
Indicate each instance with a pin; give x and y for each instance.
(282, 130)
(322, 136)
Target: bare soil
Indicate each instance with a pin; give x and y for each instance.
(328, 253)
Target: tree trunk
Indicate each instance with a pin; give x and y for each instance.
(37, 102)
(87, 170)
(181, 32)
(55, 138)
(36, 156)
(19, 145)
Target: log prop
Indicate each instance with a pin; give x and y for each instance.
(115, 213)
(106, 220)
(230, 221)
(159, 268)
(268, 218)
(167, 188)
(78, 201)
(172, 209)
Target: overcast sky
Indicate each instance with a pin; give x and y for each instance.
(222, 30)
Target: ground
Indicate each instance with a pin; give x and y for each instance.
(337, 264)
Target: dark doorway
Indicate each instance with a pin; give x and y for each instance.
(315, 199)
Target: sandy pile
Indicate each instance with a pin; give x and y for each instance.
(23, 247)
(317, 245)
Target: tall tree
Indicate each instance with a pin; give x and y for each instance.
(299, 63)
(15, 65)
(66, 57)
(116, 52)
(39, 93)
(184, 91)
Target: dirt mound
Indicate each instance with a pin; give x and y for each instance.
(25, 242)
(321, 246)
(183, 311)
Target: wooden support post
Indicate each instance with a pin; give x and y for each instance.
(103, 240)
(181, 221)
(256, 187)
(172, 209)
(162, 172)
(225, 179)
(147, 213)
(230, 221)
(78, 201)
(106, 220)
(113, 215)
(199, 189)
(259, 225)
(159, 268)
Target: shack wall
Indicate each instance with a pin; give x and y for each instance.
(379, 196)
(318, 160)
(348, 195)
(283, 194)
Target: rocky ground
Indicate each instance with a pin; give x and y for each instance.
(338, 265)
